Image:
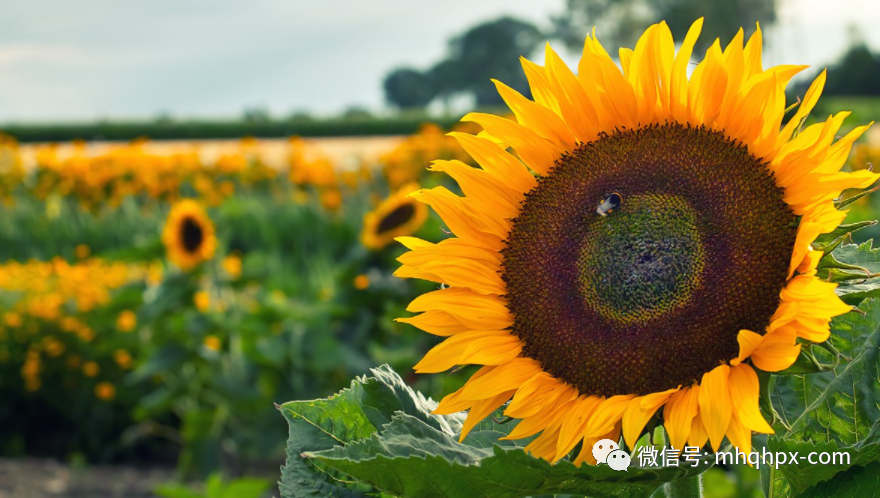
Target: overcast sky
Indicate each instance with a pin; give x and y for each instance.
(66, 60)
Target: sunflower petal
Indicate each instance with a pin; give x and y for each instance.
(744, 394)
(715, 404)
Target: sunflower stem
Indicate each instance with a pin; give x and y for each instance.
(688, 487)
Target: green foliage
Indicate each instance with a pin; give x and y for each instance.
(407, 88)
(834, 411)
(216, 487)
(379, 436)
(622, 22)
(292, 325)
(857, 267)
(483, 52)
(232, 129)
(856, 73)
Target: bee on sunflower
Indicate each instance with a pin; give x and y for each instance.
(189, 235)
(644, 254)
(397, 216)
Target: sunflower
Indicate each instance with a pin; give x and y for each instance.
(189, 234)
(643, 255)
(398, 215)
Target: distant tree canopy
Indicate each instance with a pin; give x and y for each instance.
(620, 22)
(856, 73)
(489, 50)
(407, 88)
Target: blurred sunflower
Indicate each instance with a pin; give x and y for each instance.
(189, 234)
(396, 216)
(648, 246)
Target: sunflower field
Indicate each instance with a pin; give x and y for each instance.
(642, 280)
(156, 304)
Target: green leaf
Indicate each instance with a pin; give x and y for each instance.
(835, 411)
(831, 239)
(853, 198)
(408, 458)
(244, 488)
(859, 482)
(353, 414)
(854, 291)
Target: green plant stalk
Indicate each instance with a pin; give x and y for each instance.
(688, 487)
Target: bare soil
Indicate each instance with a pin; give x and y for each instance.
(37, 478)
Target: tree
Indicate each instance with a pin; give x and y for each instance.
(407, 88)
(492, 50)
(620, 22)
(723, 18)
(857, 72)
(446, 80)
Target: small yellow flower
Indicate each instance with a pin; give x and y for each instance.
(12, 319)
(397, 216)
(155, 273)
(123, 358)
(300, 197)
(227, 188)
(232, 265)
(53, 347)
(189, 235)
(86, 334)
(213, 343)
(331, 199)
(361, 282)
(202, 301)
(83, 251)
(126, 321)
(91, 369)
(105, 391)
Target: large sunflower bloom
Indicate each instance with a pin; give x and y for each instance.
(396, 216)
(643, 253)
(189, 235)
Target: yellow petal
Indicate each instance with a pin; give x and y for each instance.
(481, 410)
(777, 350)
(715, 405)
(639, 411)
(476, 311)
(468, 347)
(504, 377)
(586, 453)
(679, 413)
(740, 436)
(497, 162)
(748, 341)
(574, 424)
(698, 435)
(744, 393)
(435, 322)
(608, 414)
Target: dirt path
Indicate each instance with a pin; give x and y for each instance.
(32, 478)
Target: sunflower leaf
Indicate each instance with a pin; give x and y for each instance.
(825, 241)
(350, 415)
(853, 198)
(408, 458)
(836, 411)
(378, 438)
(866, 259)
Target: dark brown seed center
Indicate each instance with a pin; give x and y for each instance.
(652, 295)
(397, 218)
(192, 234)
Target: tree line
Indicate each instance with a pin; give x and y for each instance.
(492, 49)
